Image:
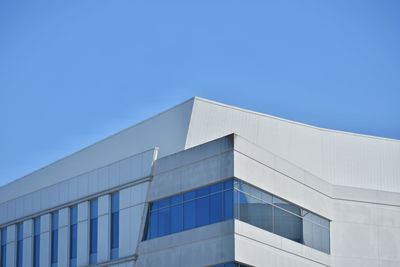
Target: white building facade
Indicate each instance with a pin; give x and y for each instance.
(206, 184)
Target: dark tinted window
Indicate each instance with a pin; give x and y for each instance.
(20, 238)
(191, 209)
(114, 225)
(93, 231)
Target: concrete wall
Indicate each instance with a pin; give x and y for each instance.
(364, 223)
(192, 168)
(203, 246)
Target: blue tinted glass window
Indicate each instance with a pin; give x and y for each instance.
(3, 247)
(54, 239)
(203, 191)
(228, 184)
(153, 227)
(228, 204)
(93, 231)
(216, 207)
(189, 215)
(115, 202)
(164, 203)
(191, 209)
(164, 222)
(94, 208)
(189, 195)
(203, 209)
(176, 218)
(114, 225)
(36, 226)
(20, 237)
(218, 187)
(36, 242)
(73, 238)
(178, 199)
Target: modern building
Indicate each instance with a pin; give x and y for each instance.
(206, 184)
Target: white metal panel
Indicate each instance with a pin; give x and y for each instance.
(11, 246)
(44, 257)
(132, 201)
(28, 244)
(83, 234)
(338, 157)
(63, 237)
(103, 244)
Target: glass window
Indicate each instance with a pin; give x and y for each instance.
(114, 225)
(228, 204)
(202, 206)
(216, 206)
(153, 228)
(261, 209)
(93, 231)
(278, 202)
(73, 236)
(3, 247)
(255, 212)
(54, 239)
(20, 238)
(189, 215)
(36, 242)
(176, 218)
(164, 222)
(195, 208)
(288, 225)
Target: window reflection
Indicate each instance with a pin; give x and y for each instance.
(189, 210)
(234, 198)
(281, 217)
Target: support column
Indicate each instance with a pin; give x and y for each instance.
(63, 237)
(27, 260)
(11, 246)
(45, 240)
(83, 234)
(103, 244)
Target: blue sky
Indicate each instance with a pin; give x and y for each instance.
(73, 72)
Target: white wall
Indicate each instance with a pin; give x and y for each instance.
(132, 212)
(83, 234)
(337, 157)
(95, 181)
(203, 246)
(365, 224)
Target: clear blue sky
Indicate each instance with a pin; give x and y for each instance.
(73, 72)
